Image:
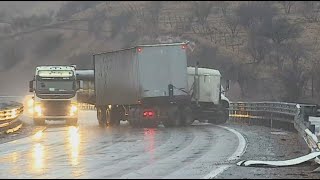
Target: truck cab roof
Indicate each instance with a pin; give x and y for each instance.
(55, 68)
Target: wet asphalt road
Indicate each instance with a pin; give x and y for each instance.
(88, 151)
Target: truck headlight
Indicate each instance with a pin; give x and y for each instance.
(38, 110)
(30, 102)
(73, 109)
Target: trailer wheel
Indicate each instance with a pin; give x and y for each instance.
(39, 121)
(174, 119)
(149, 123)
(102, 116)
(186, 116)
(115, 115)
(132, 117)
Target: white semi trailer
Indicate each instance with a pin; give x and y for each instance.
(150, 84)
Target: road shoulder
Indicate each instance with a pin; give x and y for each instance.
(264, 143)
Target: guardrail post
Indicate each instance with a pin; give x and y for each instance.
(271, 115)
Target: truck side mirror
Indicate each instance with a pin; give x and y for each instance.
(228, 85)
(31, 86)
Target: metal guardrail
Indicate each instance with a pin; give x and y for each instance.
(85, 106)
(9, 113)
(285, 115)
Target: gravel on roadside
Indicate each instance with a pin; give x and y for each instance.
(264, 143)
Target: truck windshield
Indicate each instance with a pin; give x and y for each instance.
(55, 86)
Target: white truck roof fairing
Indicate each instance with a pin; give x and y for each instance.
(55, 68)
(203, 71)
(55, 71)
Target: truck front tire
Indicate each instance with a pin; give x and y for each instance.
(221, 117)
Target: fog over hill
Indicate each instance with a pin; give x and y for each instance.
(269, 50)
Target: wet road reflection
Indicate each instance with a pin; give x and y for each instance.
(87, 151)
(149, 134)
(38, 135)
(74, 144)
(38, 154)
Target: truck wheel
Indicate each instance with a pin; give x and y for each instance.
(102, 116)
(186, 116)
(221, 118)
(173, 119)
(72, 122)
(135, 124)
(131, 115)
(147, 123)
(224, 116)
(115, 115)
(39, 121)
(134, 119)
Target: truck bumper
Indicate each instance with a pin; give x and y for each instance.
(57, 118)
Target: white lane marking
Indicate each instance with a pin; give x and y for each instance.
(241, 147)
(236, 155)
(217, 171)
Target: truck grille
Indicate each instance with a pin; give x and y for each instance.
(56, 108)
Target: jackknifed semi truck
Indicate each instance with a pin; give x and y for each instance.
(151, 84)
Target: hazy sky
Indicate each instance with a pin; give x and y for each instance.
(15, 81)
(15, 8)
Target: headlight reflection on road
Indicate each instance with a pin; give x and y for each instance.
(14, 157)
(38, 157)
(38, 135)
(74, 142)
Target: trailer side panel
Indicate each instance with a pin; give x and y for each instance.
(116, 77)
(160, 66)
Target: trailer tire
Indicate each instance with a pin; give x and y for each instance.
(115, 115)
(133, 118)
(102, 116)
(149, 124)
(186, 116)
(39, 121)
(174, 119)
